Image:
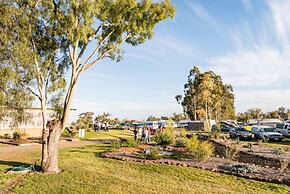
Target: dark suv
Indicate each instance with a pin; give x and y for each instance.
(241, 133)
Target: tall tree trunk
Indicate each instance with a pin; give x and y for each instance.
(50, 164)
(44, 134)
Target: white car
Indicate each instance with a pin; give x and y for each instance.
(269, 133)
(284, 128)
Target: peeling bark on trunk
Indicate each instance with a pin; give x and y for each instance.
(50, 164)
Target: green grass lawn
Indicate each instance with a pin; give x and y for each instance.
(111, 135)
(86, 172)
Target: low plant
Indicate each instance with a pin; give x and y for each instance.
(152, 154)
(70, 133)
(183, 133)
(249, 146)
(5, 136)
(130, 143)
(200, 150)
(284, 165)
(215, 135)
(127, 143)
(239, 168)
(278, 151)
(231, 152)
(181, 142)
(17, 135)
(165, 137)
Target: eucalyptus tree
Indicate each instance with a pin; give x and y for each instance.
(76, 34)
(36, 59)
(206, 97)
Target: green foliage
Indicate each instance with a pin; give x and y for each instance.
(200, 150)
(165, 137)
(181, 142)
(152, 118)
(129, 143)
(85, 120)
(105, 118)
(183, 132)
(178, 116)
(257, 113)
(232, 152)
(206, 96)
(17, 135)
(153, 154)
(215, 135)
(70, 133)
(239, 168)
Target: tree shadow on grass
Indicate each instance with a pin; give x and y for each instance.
(12, 164)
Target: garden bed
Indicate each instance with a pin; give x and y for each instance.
(215, 164)
(253, 154)
(22, 142)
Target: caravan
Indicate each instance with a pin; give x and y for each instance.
(151, 124)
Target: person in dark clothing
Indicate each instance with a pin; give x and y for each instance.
(135, 133)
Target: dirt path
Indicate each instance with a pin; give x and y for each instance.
(14, 152)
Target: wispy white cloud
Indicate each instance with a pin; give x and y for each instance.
(203, 14)
(281, 16)
(268, 99)
(247, 4)
(259, 66)
(167, 44)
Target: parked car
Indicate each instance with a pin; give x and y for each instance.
(269, 134)
(283, 128)
(223, 127)
(241, 133)
(255, 131)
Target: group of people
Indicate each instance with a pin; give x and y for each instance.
(144, 132)
(101, 126)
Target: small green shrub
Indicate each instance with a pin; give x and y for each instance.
(5, 136)
(165, 137)
(284, 165)
(198, 149)
(239, 168)
(70, 133)
(128, 143)
(181, 142)
(232, 152)
(278, 151)
(153, 154)
(215, 135)
(17, 135)
(183, 133)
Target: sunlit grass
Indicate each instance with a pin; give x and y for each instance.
(86, 172)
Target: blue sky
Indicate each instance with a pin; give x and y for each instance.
(245, 41)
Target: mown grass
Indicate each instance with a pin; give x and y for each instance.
(111, 135)
(86, 172)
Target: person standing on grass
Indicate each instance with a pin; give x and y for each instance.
(143, 133)
(135, 133)
(103, 126)
(149, 133)
(99, 126)
(146, 135)
(107, 126)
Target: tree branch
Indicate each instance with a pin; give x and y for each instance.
(98, 47)
(89, 65)
(34, 93)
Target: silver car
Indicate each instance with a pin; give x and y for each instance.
(269, 133)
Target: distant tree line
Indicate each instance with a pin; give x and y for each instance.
(257, 113)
